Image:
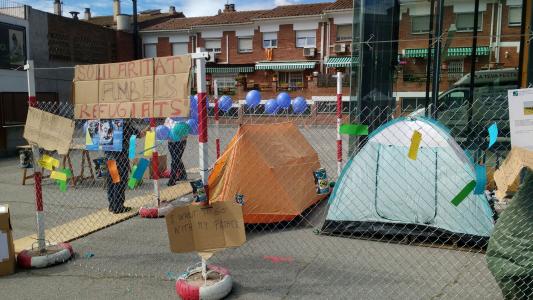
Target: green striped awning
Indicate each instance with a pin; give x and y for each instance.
(456, 51)
(341, 61)
(285, 65)
(466, 51)
(227, 70)
(412, 53)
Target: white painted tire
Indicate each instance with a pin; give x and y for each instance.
(216, 291)
(163, 210)
(30, 259)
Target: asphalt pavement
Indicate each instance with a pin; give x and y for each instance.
(132, 259)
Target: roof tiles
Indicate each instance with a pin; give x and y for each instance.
(239, 17)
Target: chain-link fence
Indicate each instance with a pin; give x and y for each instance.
(403, 219)
(388, 229)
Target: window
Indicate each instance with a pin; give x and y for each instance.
(420, 24)
(412, 104)
(291, 80)
(344, 33)
(454, 99)
(13, 46)
(226, 84)
(465, 21)
(150, 50)
(270, 39)
(245, 45)
(455, 70)
(180, 48)
(515, 15)
(213, 45)
(306, 39)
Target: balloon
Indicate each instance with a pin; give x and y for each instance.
(225, 103)
(194, 107)
(271, 107)
(179, 131)
(299, 105)
(284, 100)
(193, 126)
(162, 132)
(253, 98)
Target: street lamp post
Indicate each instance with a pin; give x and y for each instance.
(135, 31)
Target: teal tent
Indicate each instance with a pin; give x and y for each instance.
(381, 190)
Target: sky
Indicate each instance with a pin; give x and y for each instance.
(190, 8)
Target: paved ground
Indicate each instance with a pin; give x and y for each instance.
(132, 259)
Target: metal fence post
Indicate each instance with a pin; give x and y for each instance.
(217, 117)
(37, 176)
(339, 121)
(202, 119)
(155, 166)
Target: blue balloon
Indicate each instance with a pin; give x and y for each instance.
(162, 132)
(253, 98)
(271, 107)
(284, 100)
(194, 106)
(299, 105)
(193, 126)
(225, 103)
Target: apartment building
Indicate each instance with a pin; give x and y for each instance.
(297, 48)
(289, 48)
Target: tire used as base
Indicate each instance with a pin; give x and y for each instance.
(29, 259)
(216, 291)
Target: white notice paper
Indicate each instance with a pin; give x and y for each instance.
(4, 250)
(521, 117)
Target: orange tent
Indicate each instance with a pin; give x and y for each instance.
(272, 166)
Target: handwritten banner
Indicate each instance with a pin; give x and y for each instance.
(154, 87)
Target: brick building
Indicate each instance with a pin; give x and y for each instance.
(295, 48)
(497, 47)
(289, 48)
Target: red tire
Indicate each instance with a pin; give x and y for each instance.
(56, 254)
(149, 212)
(219, 290)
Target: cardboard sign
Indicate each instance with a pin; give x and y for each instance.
(153, 87)
(48, 131)
(193, 228)
(7, 250)
(507, 176)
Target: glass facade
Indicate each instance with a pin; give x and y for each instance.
(396, 76)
